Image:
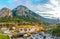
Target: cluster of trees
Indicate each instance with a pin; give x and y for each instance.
(56, 30)
(19, 19)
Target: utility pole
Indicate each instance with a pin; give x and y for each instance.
(58, 20)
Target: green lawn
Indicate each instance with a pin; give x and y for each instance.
(4, 37)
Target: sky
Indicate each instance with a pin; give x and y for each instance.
(45, 8)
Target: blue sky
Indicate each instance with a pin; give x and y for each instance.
(39, 1)
(14, 3)
(45, 8)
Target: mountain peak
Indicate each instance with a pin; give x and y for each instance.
(5, 12)
(5, 8)
(22, 6)
(20, 10)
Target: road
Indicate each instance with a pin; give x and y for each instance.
(37, 36)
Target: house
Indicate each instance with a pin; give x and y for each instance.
(5, 30)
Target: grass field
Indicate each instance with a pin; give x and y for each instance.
(4, 37)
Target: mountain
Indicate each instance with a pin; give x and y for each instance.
(25, 14)
(24, 11)
(5, 12)
(20, 10)
(22, 14)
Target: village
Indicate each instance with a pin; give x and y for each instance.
(25, 30)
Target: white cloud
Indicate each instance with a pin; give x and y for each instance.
(56, 8)
(54, 2)
(51, 8)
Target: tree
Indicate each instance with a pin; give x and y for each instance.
(56, 31)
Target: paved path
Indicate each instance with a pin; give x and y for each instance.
(37, 36)
(41, 36)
